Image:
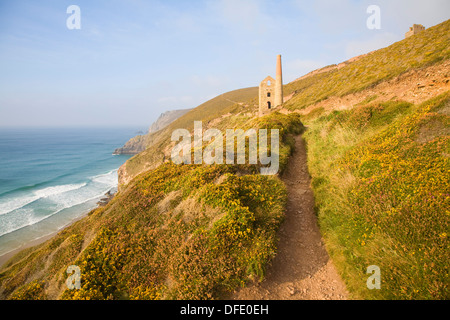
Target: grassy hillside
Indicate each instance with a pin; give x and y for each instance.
(380, 173)
(233, 101)
(426, 48)
(176, 232)
(380, 179)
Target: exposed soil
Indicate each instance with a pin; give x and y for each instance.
(302, 268)
(415, 86)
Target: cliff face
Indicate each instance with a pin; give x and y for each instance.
(141, 142)
(133, 146)
(166, 118)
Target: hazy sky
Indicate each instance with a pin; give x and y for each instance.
(132, 60)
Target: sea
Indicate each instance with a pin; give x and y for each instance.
(51, 177)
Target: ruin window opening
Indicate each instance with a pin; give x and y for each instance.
(268, 104)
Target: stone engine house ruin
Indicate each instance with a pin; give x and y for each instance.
(271, 91)
(415, 29)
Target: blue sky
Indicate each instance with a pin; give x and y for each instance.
(132, 60)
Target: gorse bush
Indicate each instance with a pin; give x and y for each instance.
(176, 232)
(167, 255)
(402, 193)
(384, 197)
(31, 291)
(370, 115)
(180, 254)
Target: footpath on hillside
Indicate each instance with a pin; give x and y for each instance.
(302, 268)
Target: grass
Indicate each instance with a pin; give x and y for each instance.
(176, 232)
(382, 196)
(426, 48)
(208, 111)
(380, 179)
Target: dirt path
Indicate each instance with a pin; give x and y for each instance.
(302, 268)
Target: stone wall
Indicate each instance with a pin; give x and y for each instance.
(415, 29)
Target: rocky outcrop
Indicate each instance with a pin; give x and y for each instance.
(134, 145)
(166, 118)
(140, 142)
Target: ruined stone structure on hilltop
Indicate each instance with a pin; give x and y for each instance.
(415, 29)
(271, 91)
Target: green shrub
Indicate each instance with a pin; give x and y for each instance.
(383, 199)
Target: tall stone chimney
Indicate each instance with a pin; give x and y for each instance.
(278, 84)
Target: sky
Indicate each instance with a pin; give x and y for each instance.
(132, 60)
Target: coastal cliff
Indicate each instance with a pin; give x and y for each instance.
(154, 148)
(141, 142)
(166, 118)
(133, 146)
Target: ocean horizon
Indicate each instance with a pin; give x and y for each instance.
(50, 177)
